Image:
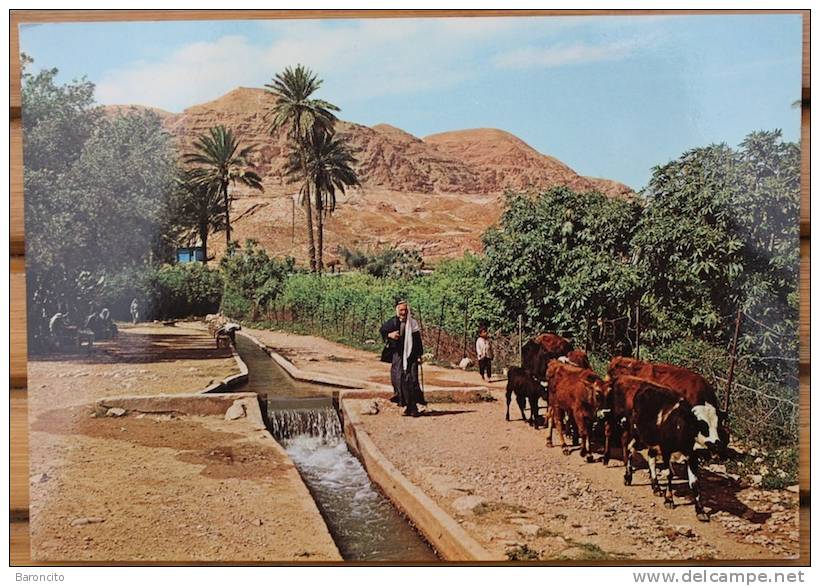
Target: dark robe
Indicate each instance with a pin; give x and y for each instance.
(405, 384)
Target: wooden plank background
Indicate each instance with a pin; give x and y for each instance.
(19, 476)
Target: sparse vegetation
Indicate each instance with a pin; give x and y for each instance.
(522, 553)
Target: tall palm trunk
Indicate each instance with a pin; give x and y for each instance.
(203, 237)
(311, 242)
(227, 217)
(321, 237)
(308, 207)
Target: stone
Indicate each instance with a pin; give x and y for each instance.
(115, 412)
(467, 503)
(86, 521)
(756, 479)
(528, 530)
(685, 531)
(586, 531)
(371, 409)
(257, 522)
(235, 411)
(465, 363)
(795, 488)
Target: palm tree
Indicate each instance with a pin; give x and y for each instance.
(201, 209)
(221, 162)
(302, 115)
(327, 168)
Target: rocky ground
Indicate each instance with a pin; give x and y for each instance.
(522, 500)
(161, 487)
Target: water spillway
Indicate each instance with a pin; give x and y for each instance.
(364, 524)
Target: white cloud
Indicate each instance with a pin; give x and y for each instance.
(557, 56)
(357, 58)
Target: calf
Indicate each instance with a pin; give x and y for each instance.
(687, 385)
(663, 423)
(620, 394)
(526, 388)
(577, 392)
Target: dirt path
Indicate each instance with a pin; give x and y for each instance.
(522, 500)
(315, 354)
(158, 487)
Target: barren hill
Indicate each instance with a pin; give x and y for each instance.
(438, 193)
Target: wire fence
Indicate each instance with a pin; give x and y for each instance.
(360, 324)
(759, 407)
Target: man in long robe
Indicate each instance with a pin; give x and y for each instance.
(406, 351)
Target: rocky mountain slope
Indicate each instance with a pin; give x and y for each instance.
(438, 193)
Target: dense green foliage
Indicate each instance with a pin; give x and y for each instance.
(199, 208)
(436, 298)
(164, 291)
(252, 279)
(97, 192)
(563, 261)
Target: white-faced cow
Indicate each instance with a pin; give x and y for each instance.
(663, 424)
(688, 385)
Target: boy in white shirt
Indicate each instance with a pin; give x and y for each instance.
(484, 351)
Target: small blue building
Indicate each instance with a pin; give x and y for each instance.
(190, 254)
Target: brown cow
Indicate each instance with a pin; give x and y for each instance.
(536, 353)
(686, 384)
(579, 358)
(576, 392)
(620, 393)
(554, 344)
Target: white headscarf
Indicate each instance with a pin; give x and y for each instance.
(408, 337)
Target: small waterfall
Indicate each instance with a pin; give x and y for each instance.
(301, 416)
(321, 423)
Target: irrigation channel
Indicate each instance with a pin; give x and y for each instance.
(364, 523)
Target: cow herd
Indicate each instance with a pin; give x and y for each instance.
(656, 410)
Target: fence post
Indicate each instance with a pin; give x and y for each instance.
(732, 362)
(638, 330)
(520, 338)
(364, 323)
(466, 305)
(322, 317)
(440, 327)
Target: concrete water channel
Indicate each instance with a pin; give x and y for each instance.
(364, 524)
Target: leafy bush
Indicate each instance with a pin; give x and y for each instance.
(252, 280)
(562, 260)
(164, 292)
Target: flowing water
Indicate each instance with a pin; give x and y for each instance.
(364, 524)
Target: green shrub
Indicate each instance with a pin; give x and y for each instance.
(252, 280)
(167, 291)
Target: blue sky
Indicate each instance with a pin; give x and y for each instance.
(609, 96)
